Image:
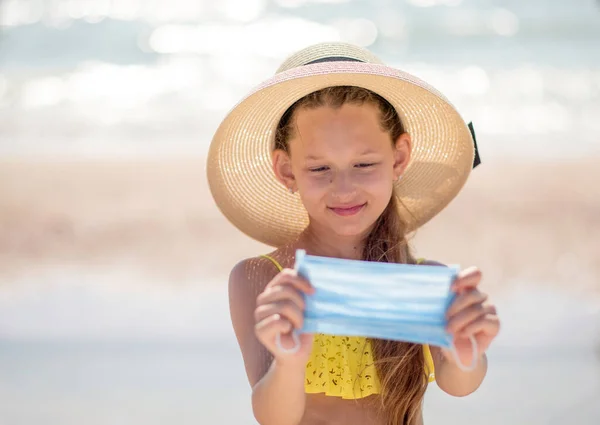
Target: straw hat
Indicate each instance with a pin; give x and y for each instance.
(239, 167)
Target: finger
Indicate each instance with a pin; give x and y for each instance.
(281, 293)
(287, 309)
(272, 325)
(489, 325)
(457, 323)
(464, 301)
(467, 278)
(290, 277)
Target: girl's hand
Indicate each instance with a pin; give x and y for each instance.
(280, 310)
(470, 315)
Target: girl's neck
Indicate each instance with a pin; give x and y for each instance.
(323, 242)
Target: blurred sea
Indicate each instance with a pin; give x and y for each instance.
(132, 77)
(152, 78)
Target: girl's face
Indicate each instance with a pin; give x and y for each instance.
(343, 165)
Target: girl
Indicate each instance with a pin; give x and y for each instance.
(341, 156)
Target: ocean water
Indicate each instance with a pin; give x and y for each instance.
(112, 348)
(130, 77)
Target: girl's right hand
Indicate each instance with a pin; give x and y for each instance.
(279, 311)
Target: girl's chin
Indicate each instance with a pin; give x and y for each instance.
(352, 230)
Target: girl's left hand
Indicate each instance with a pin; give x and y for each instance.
(468, 315)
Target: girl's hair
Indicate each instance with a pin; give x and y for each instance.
(400, 365)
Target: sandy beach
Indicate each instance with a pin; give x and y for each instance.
(536, 222)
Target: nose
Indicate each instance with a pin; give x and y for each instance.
(343, 188)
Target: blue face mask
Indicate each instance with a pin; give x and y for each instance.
(377, 300)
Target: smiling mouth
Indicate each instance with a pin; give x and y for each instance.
(348, 211)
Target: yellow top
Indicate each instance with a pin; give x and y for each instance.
(342, 366)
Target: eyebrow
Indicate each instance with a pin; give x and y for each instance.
(316, 158)
(313, 158)
(368, 152)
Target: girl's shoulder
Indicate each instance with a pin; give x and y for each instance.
(251, 275)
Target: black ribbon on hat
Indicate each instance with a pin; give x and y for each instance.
(476, 159)
(334, 59)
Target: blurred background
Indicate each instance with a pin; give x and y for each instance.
(114, 259)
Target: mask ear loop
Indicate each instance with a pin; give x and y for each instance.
(473, 364)
(292, 350)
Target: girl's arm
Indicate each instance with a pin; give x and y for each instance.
(278, 396)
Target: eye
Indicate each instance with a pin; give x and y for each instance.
(365, 165)
(318, 169)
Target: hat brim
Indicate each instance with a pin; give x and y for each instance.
(239, 167)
